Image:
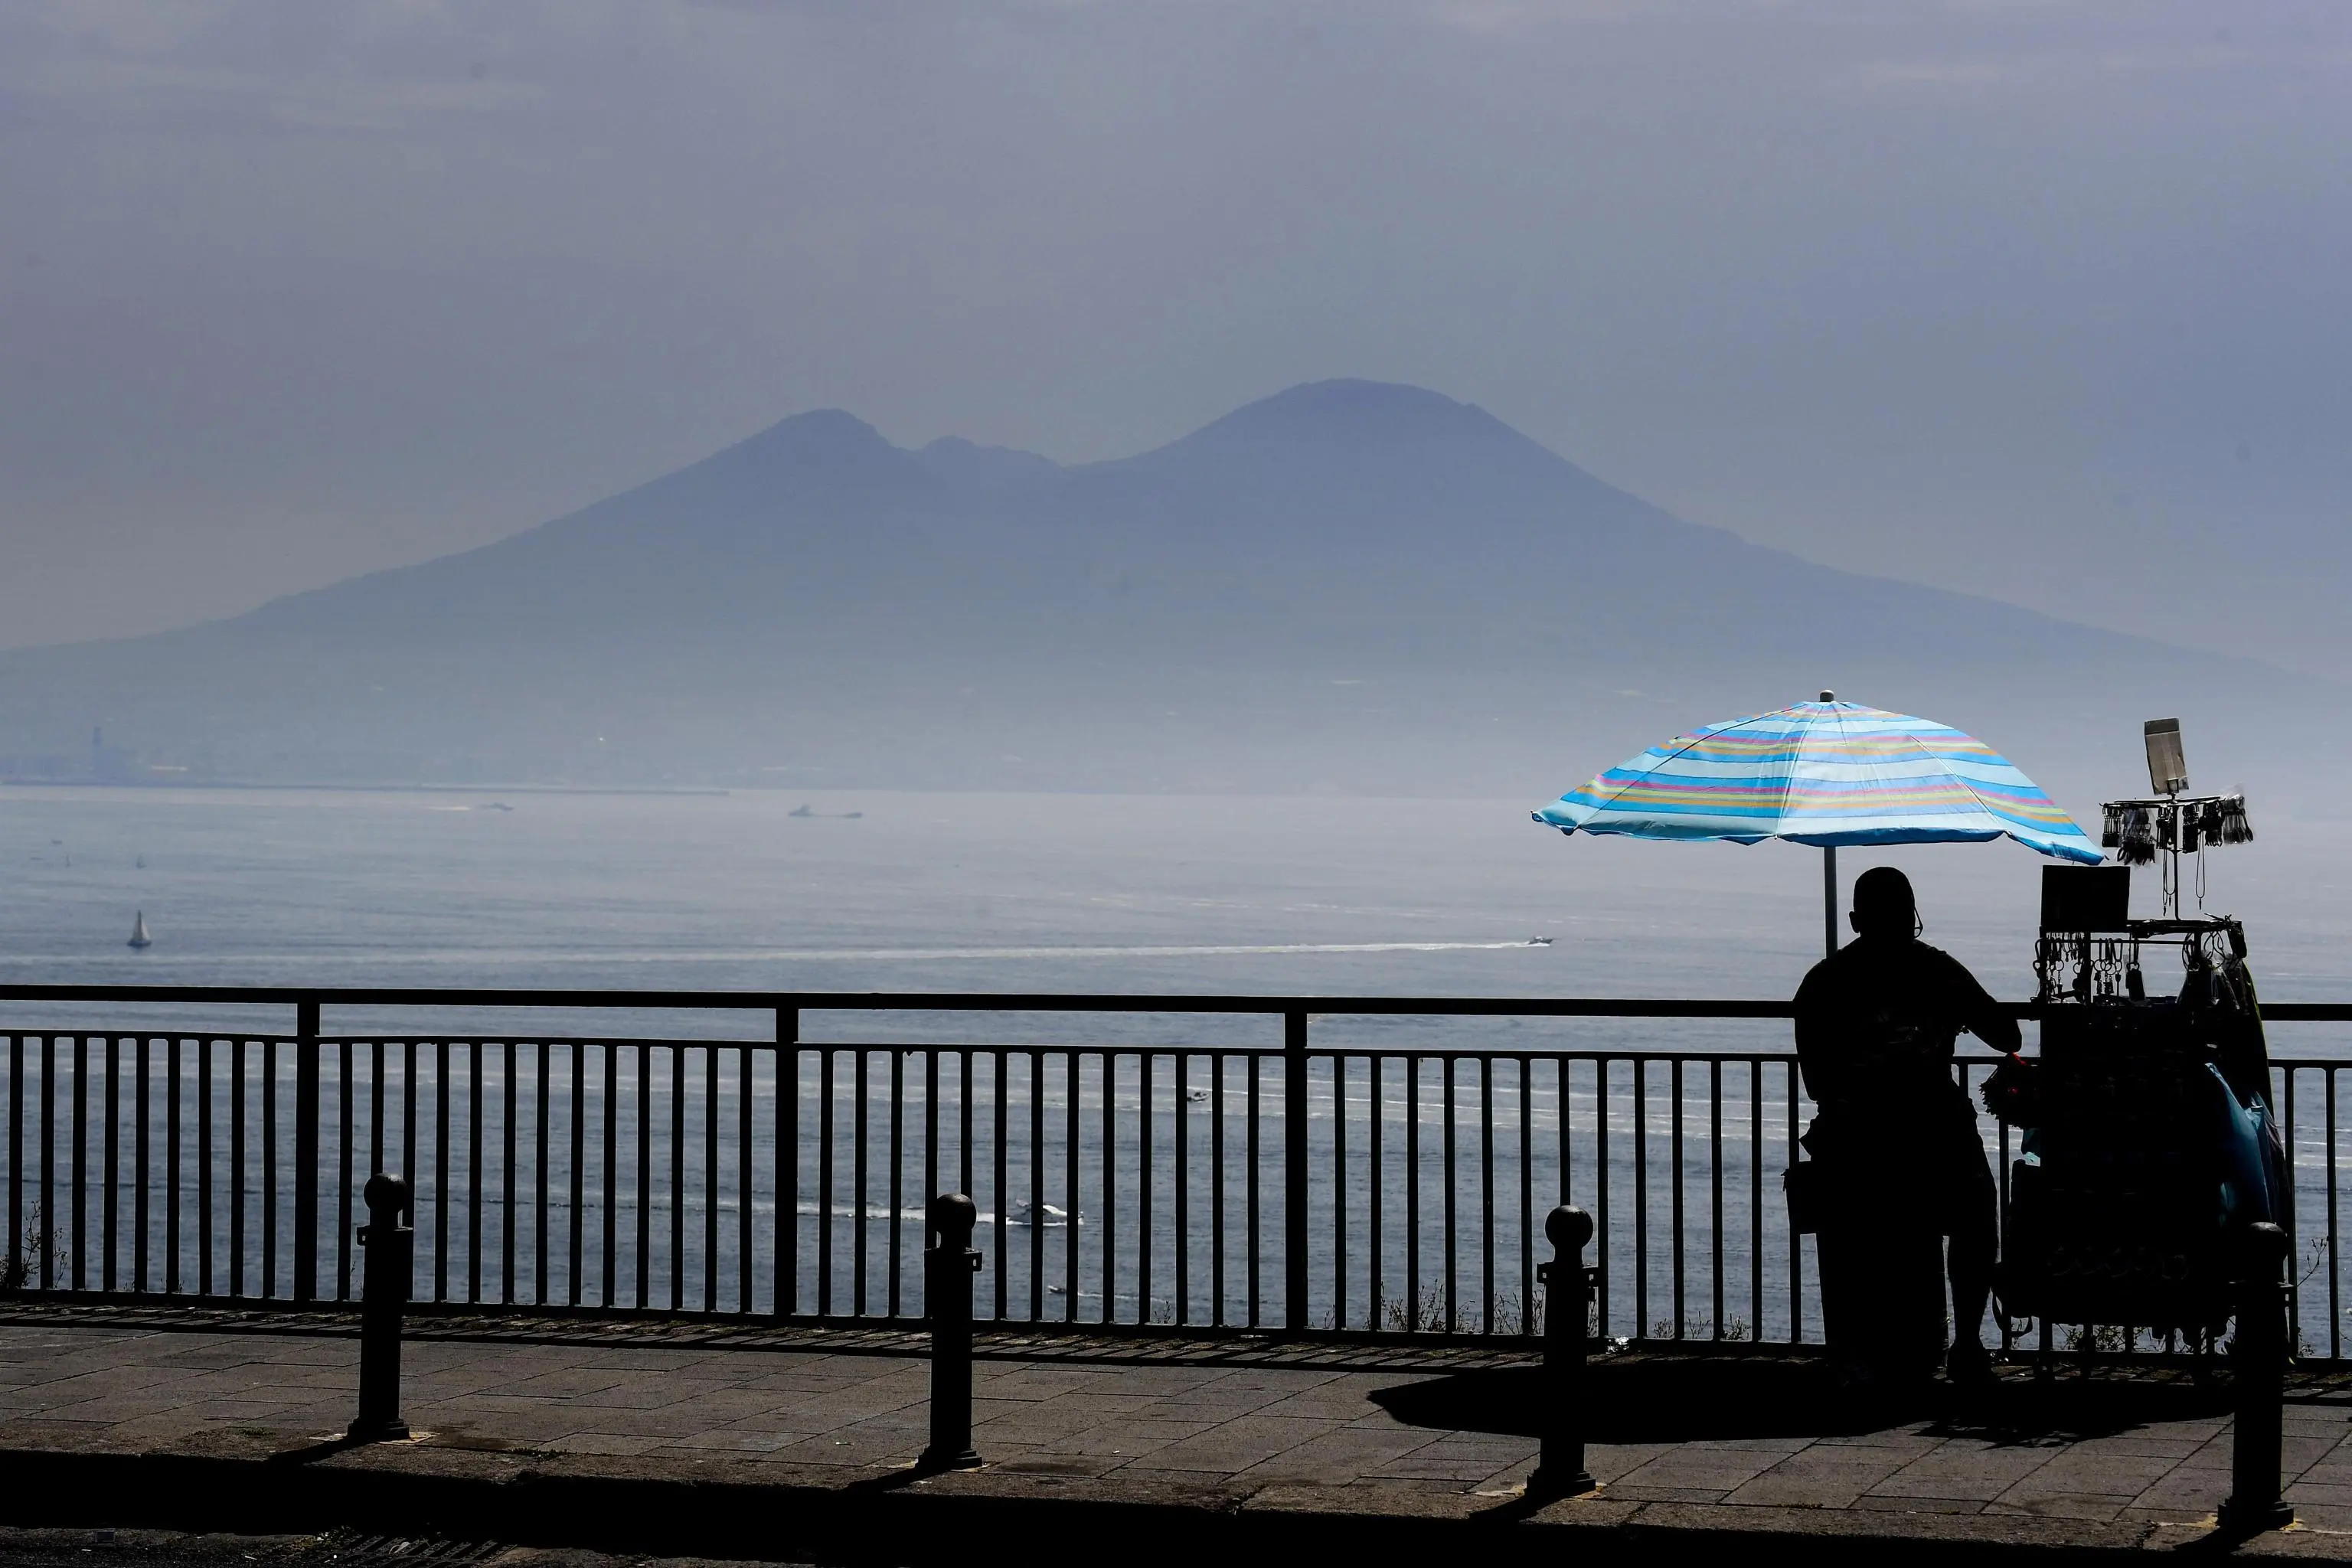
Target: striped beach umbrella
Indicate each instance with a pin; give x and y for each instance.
(1826, 773)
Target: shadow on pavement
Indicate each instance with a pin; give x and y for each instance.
(1683, 1399)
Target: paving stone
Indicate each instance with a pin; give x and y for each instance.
(1231, 1446)
(1336, 1458)
(1204, 1429)
(1817, 1477)
(1962, 1471)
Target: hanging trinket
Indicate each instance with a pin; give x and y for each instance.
(2136, 840)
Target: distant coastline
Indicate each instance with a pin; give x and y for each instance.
(349, 789)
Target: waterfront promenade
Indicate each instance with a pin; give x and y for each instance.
(798, 1443)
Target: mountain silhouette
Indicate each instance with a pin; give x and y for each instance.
(1347, 584)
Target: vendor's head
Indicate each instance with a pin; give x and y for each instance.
(1883, 906)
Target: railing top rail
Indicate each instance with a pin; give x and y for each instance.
(1001, 1002)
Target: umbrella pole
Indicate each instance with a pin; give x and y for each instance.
(1829, 899)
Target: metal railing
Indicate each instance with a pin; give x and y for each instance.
(1298, 1183)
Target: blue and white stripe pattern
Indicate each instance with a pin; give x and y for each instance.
(1823, 774)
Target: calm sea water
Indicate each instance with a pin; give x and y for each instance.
(1004, 893)
(1031, 892)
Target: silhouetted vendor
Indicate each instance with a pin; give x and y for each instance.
(1900, 1163)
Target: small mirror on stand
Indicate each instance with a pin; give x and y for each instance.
(2167, 771)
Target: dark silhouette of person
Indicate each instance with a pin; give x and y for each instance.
(1896, 1140)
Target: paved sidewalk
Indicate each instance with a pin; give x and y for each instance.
(1718, 1445)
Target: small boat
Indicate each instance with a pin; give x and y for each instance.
(803, 811)
(1538, 941)
(139, 937)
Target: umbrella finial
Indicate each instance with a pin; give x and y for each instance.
(1829, 696)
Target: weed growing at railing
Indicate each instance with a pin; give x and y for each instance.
(1427, 1316)
(18, 1268)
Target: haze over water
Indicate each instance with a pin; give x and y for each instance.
(1012, 892)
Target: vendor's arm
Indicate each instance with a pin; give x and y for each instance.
(1982, 1017)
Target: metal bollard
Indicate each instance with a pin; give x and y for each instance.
(948, 1268)
(1568, 1304)
(391, 1255)
(2258, 1357)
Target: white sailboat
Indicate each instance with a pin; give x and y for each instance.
(139, 937)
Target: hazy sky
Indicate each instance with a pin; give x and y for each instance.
(2045, 301)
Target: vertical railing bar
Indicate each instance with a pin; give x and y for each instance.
(788, 1161)
(2294, 1239)
(508, 1096)
(269, 1171)
(1111, 1186)
(1180, 1172)
(1217, 1188)
(963, 1120)
(375, 1108)
(1338, 1313)
(857, 1190)
(999, 1260)
(1486, 1193)
(1601, 1194)
(2001, 1177)
(677, 1177)
(1640, 1199)
(49, 1160)
(1526, 1198)
(932, 1138)
(203, 1162)
(140, 1149)
(1254, 1152)
(711, 1128)
(1375, 1287)
(576, 1184)
(824, 1116)
(473, 1171)
(2335, 1307)
(171, 1159)
(1452, 1324)
(1796, 1242)
(236, 1174)
(1412, 1193)
(1294, 1170)
(346, 1108)
(897, 1161)
(81, 1157)
(644, 1174)
(1675, 1077)
(408, 1125)
(16, 1153)
(1070, 1187)
(1563, 1088)
(540, 1136)
(112, 1161)
(608, 1266)
(1037, 1186)
(1715, 1179)
(441, 1171)
(1756, 1196)
(1143, 1140)
(743, 1245)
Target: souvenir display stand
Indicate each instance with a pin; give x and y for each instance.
(2148, 1137)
